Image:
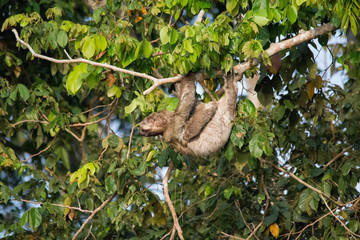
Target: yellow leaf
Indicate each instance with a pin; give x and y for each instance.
(318, 82)
(110, 79)
(17, 71)
(138, 19)
(310, 89)
(67, 202)
(274, 229)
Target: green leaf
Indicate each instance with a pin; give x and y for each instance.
(75, 78)
(168, 104)
(255, 146)
(299, 2)
(249, 107)
(110, 185)
(88, 48)
(278, 112)
(260, 20)
(147, 48)
(229, 152)
(232, 6)
(228, 192)
(164, 156)
(113, 140)
(164, 35)
(238, 135)
(273, 215)
(292, 14)
(188, 46)
(62, 38)
(24, 92)
(34, 218)
(114, 91)
(174, 35)
(24, 218)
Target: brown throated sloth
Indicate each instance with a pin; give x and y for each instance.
(195, 128)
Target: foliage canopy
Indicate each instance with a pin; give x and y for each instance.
(68, 133)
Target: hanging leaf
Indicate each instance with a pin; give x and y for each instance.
(274, 229)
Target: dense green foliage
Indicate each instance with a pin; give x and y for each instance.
(68, 134)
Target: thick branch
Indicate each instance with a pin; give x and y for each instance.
(240, 68)
(274, 48)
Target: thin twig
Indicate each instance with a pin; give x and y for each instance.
(311, 224)
(28, 120)
(237, 204)
(343, 224)
(131, 135)
(53, 204)
(265, 210)
(299, 180)
(93, 214)
(232, 236)
(169, 203)
(44, 150)
(338, 156)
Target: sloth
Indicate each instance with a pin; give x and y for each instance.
(195, 128)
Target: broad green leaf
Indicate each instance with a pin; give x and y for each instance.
(88, 48)
(168, 104)
(228, 192)
(24, 218)
(255, 146)
(232, 6)
(292, 14)
(114, 91)
(272, 215)
(62, 38)
(229, 152)
(278, 112)
(164, 35)
(147, 48)
(110, 185)
(164, 156)
(188, 46)
(249, 107)
(75, 78)
(189, 32)
(113, 140)
(238, 135)
(174, 35)
(24, 92)
(299, 2)
(34, 218)
(260, 20)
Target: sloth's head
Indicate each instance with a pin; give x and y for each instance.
(156, 123)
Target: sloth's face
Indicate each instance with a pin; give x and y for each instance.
(155, 124)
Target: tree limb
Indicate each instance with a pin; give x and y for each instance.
(240, 68)
(169, 203)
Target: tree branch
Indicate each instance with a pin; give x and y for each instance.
(240, 68)
(53, 204)
(338, 156)
(169, 203)
(93, 214)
